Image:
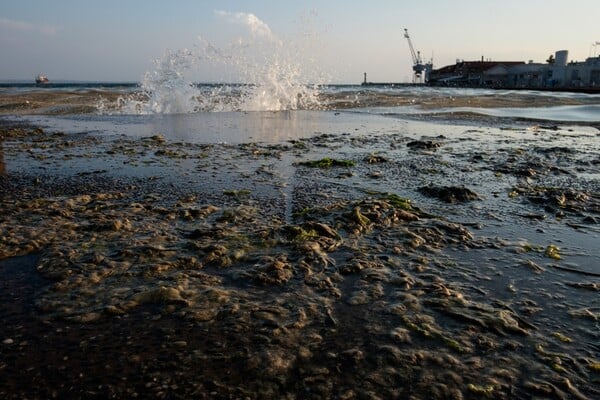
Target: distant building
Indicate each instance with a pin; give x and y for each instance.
(471, 73)
(557, 74)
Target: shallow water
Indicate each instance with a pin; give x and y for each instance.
(223, 127)
(571, 113)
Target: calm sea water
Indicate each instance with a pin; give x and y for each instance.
(407, 101)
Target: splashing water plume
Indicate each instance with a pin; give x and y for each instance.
(271, 75)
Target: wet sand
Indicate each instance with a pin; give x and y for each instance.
(460, 263)
(50, 102)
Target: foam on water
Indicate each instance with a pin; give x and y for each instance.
(270, 75)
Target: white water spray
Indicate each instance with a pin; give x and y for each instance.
(270, 74)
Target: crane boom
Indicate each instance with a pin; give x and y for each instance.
(418, 66)
(416, 57)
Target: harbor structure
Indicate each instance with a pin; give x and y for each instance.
(556, 74)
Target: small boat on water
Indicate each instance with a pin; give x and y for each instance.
(42, 79)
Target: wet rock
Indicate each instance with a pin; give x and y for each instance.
(565, 200)
(450, 194)
(353, 356)
(500, 320)
(271, 271)
(526, 172)
(555, 150)
(549, 127)
(423, 145)
(358, 218)
(162, 295)
(375, 159)
(156, 139)
(327, 162)
(198, 213)
(534, 267)
(401, 335)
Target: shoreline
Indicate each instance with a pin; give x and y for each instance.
(173, 270)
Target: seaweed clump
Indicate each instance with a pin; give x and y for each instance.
(327, 163)
(450, 194)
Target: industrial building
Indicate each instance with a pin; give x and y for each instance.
(556, 74)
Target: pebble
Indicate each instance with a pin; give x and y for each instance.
(8, 341)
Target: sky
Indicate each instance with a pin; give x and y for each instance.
(106, 40)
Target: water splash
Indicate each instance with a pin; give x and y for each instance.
(271, 74)
(251, 21)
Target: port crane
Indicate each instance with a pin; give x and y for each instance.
(418, 67)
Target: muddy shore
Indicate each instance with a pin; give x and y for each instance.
(460, 264)
(64, 102)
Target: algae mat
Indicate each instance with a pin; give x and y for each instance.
(325, 267)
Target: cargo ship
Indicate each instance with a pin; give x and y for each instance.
(41, 79)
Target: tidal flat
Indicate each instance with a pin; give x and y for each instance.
(419, 260)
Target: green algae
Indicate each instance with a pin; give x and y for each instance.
(296, 233)
(562, 338)
(557, 367)
(327, 162)
(429, 331)
(399, 202)
(552, 251)
(481, 390)
(513, 194)
(453, 344)
(359, 218)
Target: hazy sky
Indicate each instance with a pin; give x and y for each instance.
(118, 40)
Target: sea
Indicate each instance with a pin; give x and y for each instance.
(278, 110)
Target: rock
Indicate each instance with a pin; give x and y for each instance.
(590, 220)
(162, 295)
(450, 194)
(423, 145)
(375, 159)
